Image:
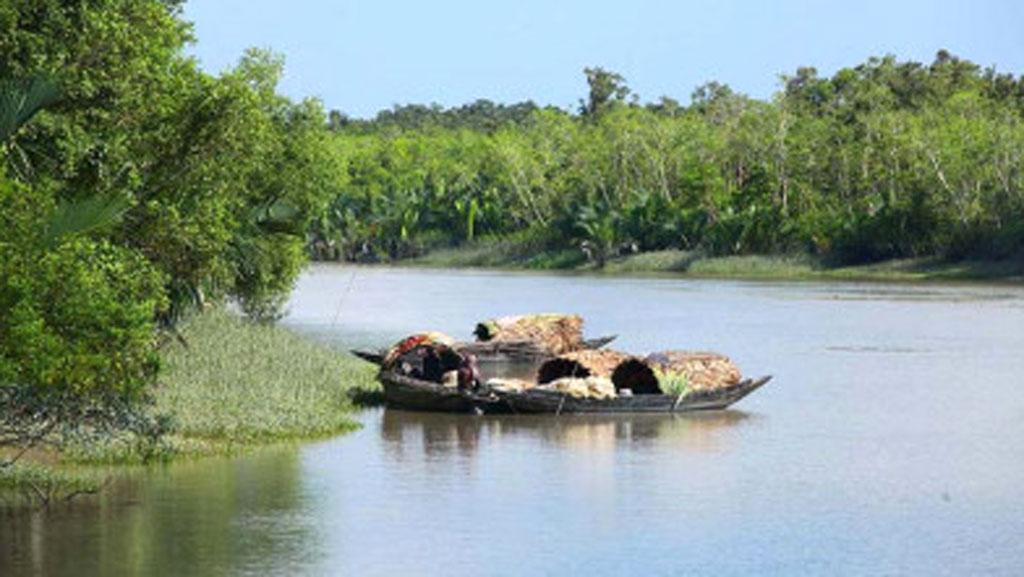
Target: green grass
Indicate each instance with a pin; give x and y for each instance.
(806, 267)
(654, 261)
(510, 255)
(242, 382)
(499, 254)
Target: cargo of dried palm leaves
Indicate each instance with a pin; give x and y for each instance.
(696, 371)
(599, 363)
(554, 333)
(505, 385)
(592, 387)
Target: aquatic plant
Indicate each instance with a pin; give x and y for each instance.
(672, 382)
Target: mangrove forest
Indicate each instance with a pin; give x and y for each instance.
(886, 159)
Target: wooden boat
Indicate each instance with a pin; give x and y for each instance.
(419, 395)
(404, 392)
(554, 402)
(510, 351)
(407, 392)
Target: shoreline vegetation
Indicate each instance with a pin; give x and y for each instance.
(883, 162)
(228, 386)
(695, 264)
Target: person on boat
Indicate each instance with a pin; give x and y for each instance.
(431, 363)
(469, 372)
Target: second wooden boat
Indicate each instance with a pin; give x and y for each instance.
(496, 351)
(540, 400)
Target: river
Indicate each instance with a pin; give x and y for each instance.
(891, 441)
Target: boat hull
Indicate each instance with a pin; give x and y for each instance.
(552, 402)
(403, 392)
(413, 394)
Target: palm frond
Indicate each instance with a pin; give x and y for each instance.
(278, 217)
(20, 100)
(82, 216)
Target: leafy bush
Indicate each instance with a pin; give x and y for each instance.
(79, 318)
(266, 268)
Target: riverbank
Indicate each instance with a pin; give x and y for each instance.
(501, 255)
(237, 383)
(227, 386)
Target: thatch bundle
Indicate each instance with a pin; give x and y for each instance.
(556, 333)
(509, 385)
(704, 370)
(701, 371)
(583, 387)
(580, 387)
(581, 364)
(431, 357)
(517, 350)
(429, 339)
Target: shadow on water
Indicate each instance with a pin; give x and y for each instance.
(366, 398)
(442, 434)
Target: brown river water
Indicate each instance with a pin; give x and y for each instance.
(891, 442)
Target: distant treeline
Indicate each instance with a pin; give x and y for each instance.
(887, 159)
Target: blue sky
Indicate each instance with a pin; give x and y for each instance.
(360, 57)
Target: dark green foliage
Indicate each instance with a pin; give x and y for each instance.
(82, 216)
(33, 416)
(138, 187)
(148, 152)
(134, 189)
(482, 115)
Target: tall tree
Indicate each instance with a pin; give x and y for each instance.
(607, 89)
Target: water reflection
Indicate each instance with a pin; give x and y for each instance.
(440, 434)
(237, 516)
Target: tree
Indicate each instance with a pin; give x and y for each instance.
(607, 89)
(77, 313)
(337, 120)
